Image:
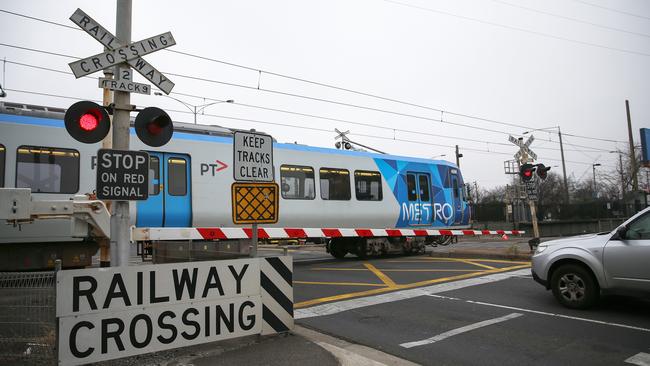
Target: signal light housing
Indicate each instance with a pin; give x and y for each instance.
(542, 171)
(154, 127)
(526, 172)
(87, 122)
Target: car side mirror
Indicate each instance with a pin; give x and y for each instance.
(621, 233)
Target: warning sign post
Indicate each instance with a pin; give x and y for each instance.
(122, 175)
(256, 201)
(109, 313)
(253, 157)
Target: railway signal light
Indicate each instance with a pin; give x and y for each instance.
(87, 122)
(346, 145)
(153, 126)
(542, 171)
(526, 172)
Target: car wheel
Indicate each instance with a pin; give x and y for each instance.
(574, 287)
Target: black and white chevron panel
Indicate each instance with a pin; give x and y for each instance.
(276, 278)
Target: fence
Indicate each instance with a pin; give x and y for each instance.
(497, 211)
(28, 318)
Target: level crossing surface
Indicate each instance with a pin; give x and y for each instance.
(488, 316)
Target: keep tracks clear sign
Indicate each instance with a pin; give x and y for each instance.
(253, 157)
(116, 312)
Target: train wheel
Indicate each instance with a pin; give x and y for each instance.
(443, 239)
(338, 250)
(362, 250)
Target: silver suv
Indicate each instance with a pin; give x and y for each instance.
(578, 269)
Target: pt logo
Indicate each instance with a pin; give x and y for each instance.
(212, 169)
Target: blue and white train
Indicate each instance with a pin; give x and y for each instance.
(192, 177)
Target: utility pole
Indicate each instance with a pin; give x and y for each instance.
(635, 181)
(120, 241)
(593, 167)
(566, 184)
(458, 156)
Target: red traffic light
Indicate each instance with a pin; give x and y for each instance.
(542, 171)
(153, 126)
(526, 172)
(87, 122)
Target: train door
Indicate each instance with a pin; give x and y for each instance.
(457, 197)
(170, 199)
(419, 197)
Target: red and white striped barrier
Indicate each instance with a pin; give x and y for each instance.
(210, 233)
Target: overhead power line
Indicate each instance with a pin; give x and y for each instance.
(572, 19)
(612, 9)
(524, 30)
(260, 71)
(365, 124)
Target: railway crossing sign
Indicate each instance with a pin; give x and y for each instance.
(124, 83)
(119, 53)
(524, 152)
(122, 175)
(255, 203)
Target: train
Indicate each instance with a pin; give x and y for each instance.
(190, 186)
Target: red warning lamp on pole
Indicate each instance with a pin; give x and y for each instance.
(526, 172)
(154, 127)
(87, 122)
(542, 171)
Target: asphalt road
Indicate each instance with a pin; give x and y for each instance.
(501, 318)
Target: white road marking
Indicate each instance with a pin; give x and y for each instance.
(337, 307)
(444, 297)
(548, 314)
(640, 359)
(563, 316)
(460, 330)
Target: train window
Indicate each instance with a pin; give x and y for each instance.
(424, 187)
(454, 180)
(367, 185)
(2, 165)
(154, 175)
(412, 190)
(177, 177)
(47, 169)
(334, 184)
(297, 182)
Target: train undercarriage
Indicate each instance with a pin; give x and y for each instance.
(367, 247)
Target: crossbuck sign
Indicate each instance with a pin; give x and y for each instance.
(118, 52)
(525, 154)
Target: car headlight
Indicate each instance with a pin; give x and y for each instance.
(540, 248)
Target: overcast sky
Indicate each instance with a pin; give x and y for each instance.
(536, 64)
